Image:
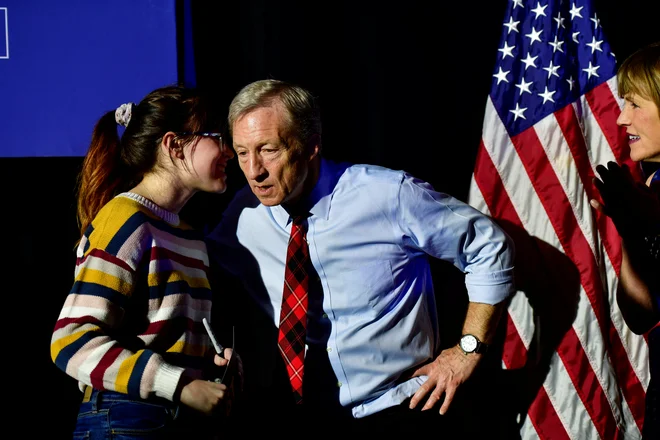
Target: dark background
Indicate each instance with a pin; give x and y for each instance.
(401, 84)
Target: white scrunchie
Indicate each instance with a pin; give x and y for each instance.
(123, 114)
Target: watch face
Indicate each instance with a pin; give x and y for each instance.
(468, 343)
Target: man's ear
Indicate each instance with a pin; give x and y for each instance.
(314, 146)
(172, 145)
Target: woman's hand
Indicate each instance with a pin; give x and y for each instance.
(203, 395)
(633, 207)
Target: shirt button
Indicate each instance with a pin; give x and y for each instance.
(328, 349)
(325, 316)
(339, 384)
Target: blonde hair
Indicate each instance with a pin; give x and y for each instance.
(639, 74)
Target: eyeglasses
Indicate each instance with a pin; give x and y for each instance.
(216, 136)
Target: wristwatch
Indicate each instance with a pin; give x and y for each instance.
(472, 344)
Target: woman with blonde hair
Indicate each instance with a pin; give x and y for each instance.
(634, 207)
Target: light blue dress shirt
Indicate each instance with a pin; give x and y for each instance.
(370, 234)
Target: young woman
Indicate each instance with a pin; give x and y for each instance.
(131, 329)
(635, 210)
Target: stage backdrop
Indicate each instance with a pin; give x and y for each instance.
(64, 63)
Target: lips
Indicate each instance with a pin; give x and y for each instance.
(221, 166)
(261, 189)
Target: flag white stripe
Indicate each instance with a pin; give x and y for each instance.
(587, 329)
(598, 148)
(528, 432)
(557, 159)
(532, 215)
(562, 162)
(567, 404)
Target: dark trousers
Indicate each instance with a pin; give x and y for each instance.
(384, 424)
(399, 420)
(270, 407)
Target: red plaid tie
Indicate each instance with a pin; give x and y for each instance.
(293, 317)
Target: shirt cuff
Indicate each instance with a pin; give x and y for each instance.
(490, 288)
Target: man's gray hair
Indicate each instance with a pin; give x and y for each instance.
(303, 116)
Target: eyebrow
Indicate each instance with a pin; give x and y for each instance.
(276, 143)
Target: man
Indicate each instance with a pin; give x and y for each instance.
(372, 352)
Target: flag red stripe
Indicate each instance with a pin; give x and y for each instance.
(575, 246)
(587, 385)
(632, 388)
(541, 413)
(492, 188)
(514, 353)
(623, 368)
(564, 318)
(566, 117)
(562, 218)
(488, 180)
(547, 425)
(606, 110)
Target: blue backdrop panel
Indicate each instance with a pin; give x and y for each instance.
(64, 63)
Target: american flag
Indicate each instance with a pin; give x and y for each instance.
(550, 118)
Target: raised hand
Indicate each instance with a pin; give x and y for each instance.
(633, 207)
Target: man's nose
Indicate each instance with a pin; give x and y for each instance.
(255, 168)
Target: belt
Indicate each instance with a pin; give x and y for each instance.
(87, 394)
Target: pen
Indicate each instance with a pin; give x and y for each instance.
(218, 348)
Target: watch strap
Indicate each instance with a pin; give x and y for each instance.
(482, 347)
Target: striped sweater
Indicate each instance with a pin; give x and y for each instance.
(132, 321)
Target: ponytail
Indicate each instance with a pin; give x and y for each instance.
(113, 165)
(100, 178)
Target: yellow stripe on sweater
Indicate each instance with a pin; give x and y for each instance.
(124, 372)
(112, 217)
(160, 278)
(120, 285)
(189, 349)
(57, 346)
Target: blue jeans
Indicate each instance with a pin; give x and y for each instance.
(107, 415)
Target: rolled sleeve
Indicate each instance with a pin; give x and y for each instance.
(490, 288)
